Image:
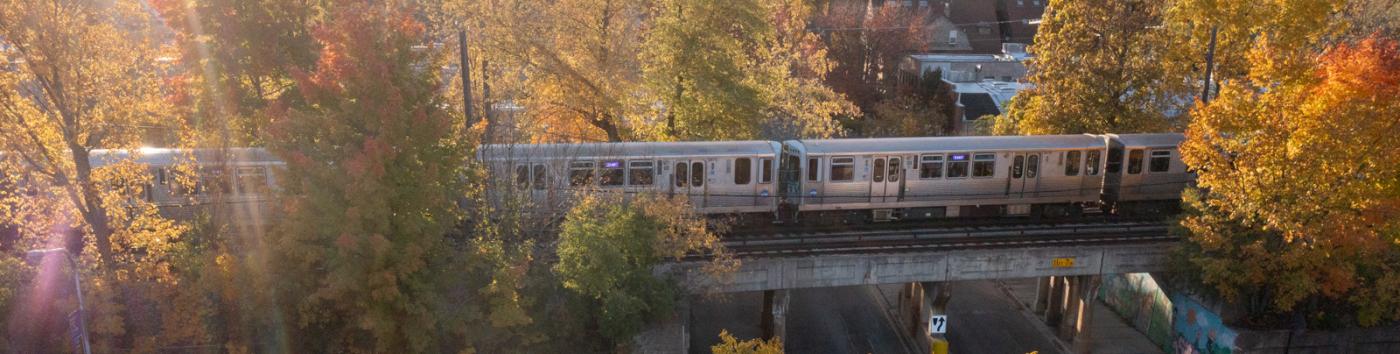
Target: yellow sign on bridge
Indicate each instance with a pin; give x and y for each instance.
(1065, 262)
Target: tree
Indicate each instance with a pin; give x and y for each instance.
(371, 176)
(695, 66)
(607, 247)
(789, 69)
(237, 56)
(729, 345)
(80, 91)
(1262, 227)
(1098, 68)
(923, 107)
(866, 45)
(579, 57)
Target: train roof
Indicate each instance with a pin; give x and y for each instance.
(652, 149)
(1149, 140)
(165, 157)
(951, 143)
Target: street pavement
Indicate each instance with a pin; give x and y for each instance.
(826, 320)
(982, 319)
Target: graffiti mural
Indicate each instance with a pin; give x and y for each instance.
(1137, 298)
(1199, 328)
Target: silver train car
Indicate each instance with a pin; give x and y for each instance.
(795, 181)
(851, 180)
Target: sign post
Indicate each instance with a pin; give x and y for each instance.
(938, 324)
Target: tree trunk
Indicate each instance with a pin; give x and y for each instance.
(94, 213)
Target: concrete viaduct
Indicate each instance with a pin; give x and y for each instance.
(1068, 269)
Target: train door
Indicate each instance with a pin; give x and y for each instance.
(886, 179)
(1023, 179)
(688, 178)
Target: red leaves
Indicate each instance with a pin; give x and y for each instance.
(1372, 65)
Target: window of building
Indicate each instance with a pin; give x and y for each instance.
(612, 173)
(984, 165)
(879, 174)
(1033, 166)
(580, 173)
(894, 169)
(957, 165)
(843, 169)
(540, 177)
(682, 174)
(160, 176)
(930, 166)
(1091, 163)
(1161, 161)
(1017, 163)
(697, 174)
(1135, 162)
(766, 172)
(1020, 2)
(814, 170)
(1072, 163)
(640, 173)
(743, 171)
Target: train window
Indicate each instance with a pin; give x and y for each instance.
(697, 174)
(814, 170)
(580, 173)
(843, 169)
(984, 165)
(1135, 161)
(879, 175)
(540, 176)
(957, 165)
(1032, 165)
(1091, 163)
(1161, 161)
(522, 176)
(640, 173)
(212, 180)
(766, 174)
(894, 169)
(743, 171)
(1115, 160)
(1016, 165)
(252, 180)
(612, 173)
(682, 174)
(1072, 163)
(931, 166)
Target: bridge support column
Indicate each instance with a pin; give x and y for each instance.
(774, 321)
(917, 302)
(1056, 289)
(1042, 294)
(1083, 333)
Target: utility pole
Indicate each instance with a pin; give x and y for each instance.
(486, 101)
(1210, 65)
(465, 72)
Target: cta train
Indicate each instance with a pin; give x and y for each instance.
(866, 180)
(794, 181)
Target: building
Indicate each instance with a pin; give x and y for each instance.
(979, 99)
(958, 67)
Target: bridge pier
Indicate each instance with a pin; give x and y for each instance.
(917, 302)
(774, 318)
(1067, 302)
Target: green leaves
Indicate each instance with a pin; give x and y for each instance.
(607, 249)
